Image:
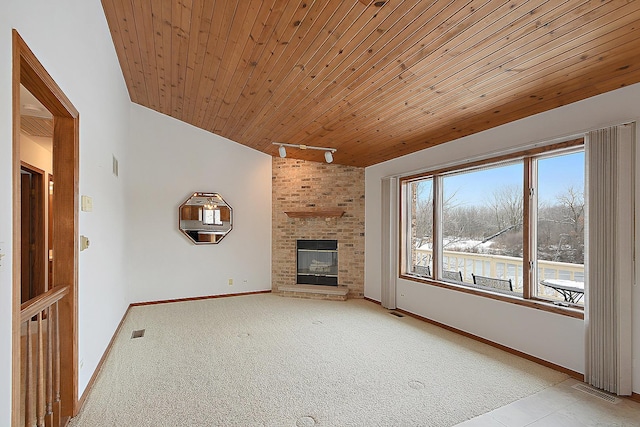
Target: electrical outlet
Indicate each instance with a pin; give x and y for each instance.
(230, 282)
(84, 243)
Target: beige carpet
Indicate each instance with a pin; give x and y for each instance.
(265, 360)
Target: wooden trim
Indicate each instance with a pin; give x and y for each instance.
(17, 238)
(167, 301)
(400, 193)
(65, 261)
(36, 305)
(531, 303)
(28, 71)
(436, 232)
(635, 396)
(326, 213)
(571, 373)
(528, 250)
(497, 159)
(32, 168)
(529, 298)
(37, 80)
(37, 217)
(106, 353)
(372, 300)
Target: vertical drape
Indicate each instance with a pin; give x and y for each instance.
(389, 243)
(610, 178)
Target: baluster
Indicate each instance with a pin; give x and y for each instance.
(28, 404)
(40, 407)
(56, 367)
(49, 415)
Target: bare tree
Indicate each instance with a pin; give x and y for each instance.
(571, 248)
(572, 201)
(563, 225)
(507, 206)
(423, 202)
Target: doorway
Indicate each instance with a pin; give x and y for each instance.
(32, 214)
(45, 248)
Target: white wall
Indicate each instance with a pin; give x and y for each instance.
(558, 339)
(71, 39)
(35, 154)
(167, 161)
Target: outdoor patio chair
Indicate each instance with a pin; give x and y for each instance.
(456, 276)
(422, 270)
(491, 282)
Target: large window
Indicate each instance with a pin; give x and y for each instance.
(559, 232)
(512, 227)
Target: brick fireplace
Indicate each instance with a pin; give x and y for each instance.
(317, 201)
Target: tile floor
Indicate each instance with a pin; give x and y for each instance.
(561, 406)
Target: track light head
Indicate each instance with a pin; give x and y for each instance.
(328, 151)
(328, 156)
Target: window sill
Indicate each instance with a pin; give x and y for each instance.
(538, 304)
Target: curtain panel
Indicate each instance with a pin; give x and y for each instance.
(610, 267)
(389, 243)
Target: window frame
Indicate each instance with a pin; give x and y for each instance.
(529, 264)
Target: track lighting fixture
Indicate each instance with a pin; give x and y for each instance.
(328, 156)
(328, 152)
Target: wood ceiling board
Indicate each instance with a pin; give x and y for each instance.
(36, 126)
(263, 30)
(113, 23)
(271, 60)
(301, 63)
(419, 88)
(371, 82)
(207, 66)
(323, 71)
(146, 49)
(497, 94)
(273, 95)
(516, 109)
(287, 36)
(300, 138)
(383, 97)
(564, 93)
(132, 45)
(563, 42)
(231, 60)
(448, 101)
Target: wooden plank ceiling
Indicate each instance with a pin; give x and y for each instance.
(375, 82)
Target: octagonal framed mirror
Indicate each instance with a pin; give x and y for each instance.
(205, 218)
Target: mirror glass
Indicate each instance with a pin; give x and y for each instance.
(205, 218)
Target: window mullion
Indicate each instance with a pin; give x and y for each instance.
(530, 228)
(437, 228)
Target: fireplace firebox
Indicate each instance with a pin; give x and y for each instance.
(317, 262)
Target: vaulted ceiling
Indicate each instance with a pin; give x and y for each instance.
(373, 79)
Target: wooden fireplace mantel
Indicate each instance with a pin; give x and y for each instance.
(319, 213)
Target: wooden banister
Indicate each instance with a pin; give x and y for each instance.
(39, 303)
(41, 359)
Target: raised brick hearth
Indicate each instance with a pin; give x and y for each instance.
(308, 187)
(333, 293)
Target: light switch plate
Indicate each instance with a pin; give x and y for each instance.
(86, 204)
